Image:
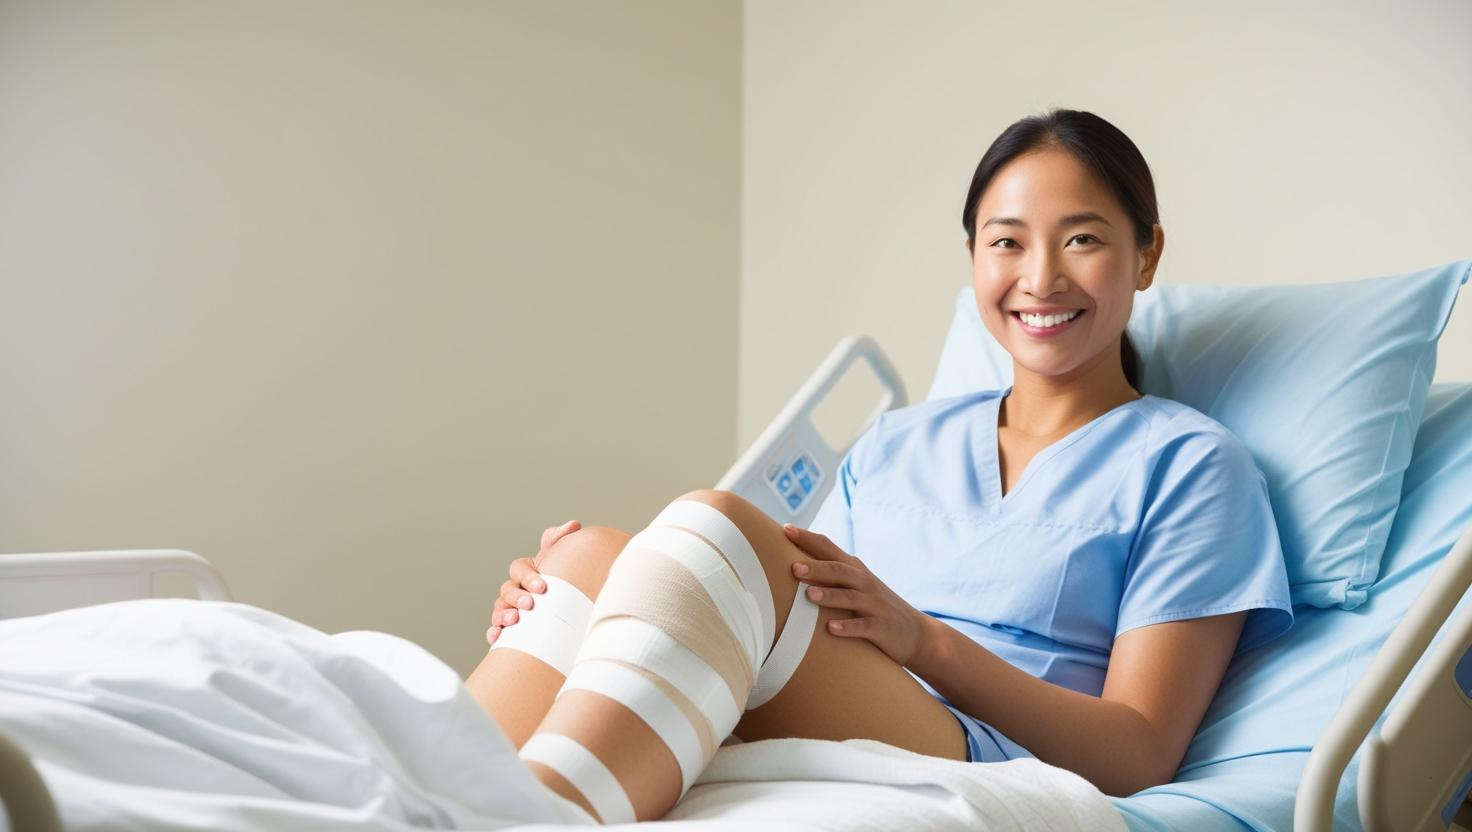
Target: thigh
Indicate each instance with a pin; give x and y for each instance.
(845, 688)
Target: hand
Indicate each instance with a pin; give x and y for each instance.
(842, 581)
(524, 580)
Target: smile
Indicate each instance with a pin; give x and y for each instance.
(1043, 326)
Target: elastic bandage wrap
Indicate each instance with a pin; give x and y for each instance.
(683, 635)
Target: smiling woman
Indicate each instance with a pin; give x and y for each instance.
(1061, 569)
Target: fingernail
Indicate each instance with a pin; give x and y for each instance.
(800, 568)
(537, 584)
(815, 593)
(837, 625)
(789, 528)
(525, 602)
(506, 617)
(492, 633)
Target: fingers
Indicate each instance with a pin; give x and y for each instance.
(553, 534)
(863, 627)
(521, 569)
(516, 591)
(839, 598)
(817, 545)
(830, 573)
(515, 595)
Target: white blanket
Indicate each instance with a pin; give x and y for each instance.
(176, 714)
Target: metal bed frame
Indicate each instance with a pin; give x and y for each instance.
(1415, 773)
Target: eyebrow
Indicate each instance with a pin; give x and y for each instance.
(1071, 219)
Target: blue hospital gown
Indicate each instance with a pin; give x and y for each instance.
(1151, 512)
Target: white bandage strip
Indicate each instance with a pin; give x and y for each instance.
(787, 653)
(736, 605)
(781, 661)
(585, 772)
(708, 521)
(635, 692)
(641, 644)
(553, 628)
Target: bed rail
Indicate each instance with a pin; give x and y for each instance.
(790, 467)
(32, 584)
(1417, 769)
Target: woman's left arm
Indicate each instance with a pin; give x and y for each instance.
(1160, 680)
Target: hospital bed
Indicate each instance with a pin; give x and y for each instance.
(1318, 729)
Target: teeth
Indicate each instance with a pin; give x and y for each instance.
(1048, 320)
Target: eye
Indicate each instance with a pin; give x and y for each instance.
(1005, 240)
(1089, 236)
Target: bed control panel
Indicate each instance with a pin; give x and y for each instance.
(785, 471)
(795, 482)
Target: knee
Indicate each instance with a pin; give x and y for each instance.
(764, 534)
(741, 510)
(583, 558)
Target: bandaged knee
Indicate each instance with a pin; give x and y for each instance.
(684, 635)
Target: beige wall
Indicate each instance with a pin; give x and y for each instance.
(1312, 141)
(355, 298)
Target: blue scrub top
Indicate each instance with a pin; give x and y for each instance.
(1151, 512)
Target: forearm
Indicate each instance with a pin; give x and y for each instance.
(1108, 743)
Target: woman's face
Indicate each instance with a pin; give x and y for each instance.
(1052, 239)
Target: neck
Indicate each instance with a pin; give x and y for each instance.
(1043, 405)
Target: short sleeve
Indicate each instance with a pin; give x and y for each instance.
(1207, 543)
(835, 516)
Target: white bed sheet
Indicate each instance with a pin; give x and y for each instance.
(177, 714)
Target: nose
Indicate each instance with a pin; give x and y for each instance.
(1042, 277)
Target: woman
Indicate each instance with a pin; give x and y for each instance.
(1061, 569)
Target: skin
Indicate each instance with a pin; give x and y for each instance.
(1161, 677)
(821, 700)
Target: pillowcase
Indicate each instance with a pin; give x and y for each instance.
(1325, 383)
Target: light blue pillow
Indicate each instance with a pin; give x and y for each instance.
(1248, 754)
(1325, 383)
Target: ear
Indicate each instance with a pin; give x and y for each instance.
(969, 250)
(1151, 259)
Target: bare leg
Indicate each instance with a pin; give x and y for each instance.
(844, 688)
(515, 688)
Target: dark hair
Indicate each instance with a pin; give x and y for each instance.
(1103, 149)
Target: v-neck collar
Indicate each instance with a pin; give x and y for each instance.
(993, 454)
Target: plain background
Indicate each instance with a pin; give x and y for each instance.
(356, 298)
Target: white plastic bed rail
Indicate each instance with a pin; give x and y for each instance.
(33, 584)
(771, 472)
(1416, 770)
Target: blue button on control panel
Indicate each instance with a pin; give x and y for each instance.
(796, 481)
